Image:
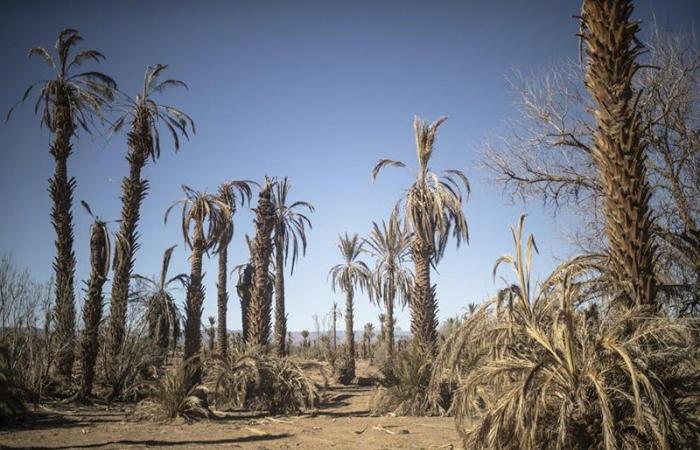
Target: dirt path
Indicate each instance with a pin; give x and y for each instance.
(341, 423)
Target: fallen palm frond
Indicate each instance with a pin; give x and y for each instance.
(534, 371)
(263, 382)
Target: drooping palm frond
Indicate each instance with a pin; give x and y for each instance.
(352, 272)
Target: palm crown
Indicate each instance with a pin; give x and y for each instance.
(433, 203)
(85, 93)
(200, 207)
(291, 223)
(352, 272)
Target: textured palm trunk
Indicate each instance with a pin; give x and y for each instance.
(389, 327)
(193, 308)
(350, 334)
(92, 309)
(161, 334)
(244, 288)
(423, 305)
(222, 301)
(61, 190)
(612, 49)
(280, 314)
(133, 192)
(259, 309)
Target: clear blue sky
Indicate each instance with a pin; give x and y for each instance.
(317, 91)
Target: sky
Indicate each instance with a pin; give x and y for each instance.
(314, 90)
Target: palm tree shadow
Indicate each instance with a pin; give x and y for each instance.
(158, 443)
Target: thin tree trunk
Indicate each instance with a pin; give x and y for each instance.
(61, 190)
(222, 301)
(133, 192)
(193, 307)
(612, 50)
(335, 329)
(423, 304)
(350, 334)
(92, 310)
(280, 314)
(389, 327)
(244, 288)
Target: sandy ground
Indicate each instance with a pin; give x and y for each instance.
(343, 422)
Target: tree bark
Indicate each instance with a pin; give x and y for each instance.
(350, 334)
(193, 308)
(222, 300)
(61, 190)
(423, 305)
(280, 314)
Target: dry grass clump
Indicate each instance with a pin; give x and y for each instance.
(171, 398)
(263, 382)
(535, 371)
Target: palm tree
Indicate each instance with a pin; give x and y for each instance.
(351, 273)
(367, 335)
(290, 230)
(260, 307)
(100, 249)
(198, 208)
(211, 333)
(231, 193)
(162, 313)
(433, 211)
(67, 101)
(382, 330)
(145, 117)
(305, 338)
(391, 278)
(244, 287)
(612, 49)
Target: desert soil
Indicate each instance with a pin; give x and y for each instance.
(342, 422)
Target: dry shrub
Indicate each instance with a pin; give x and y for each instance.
(171, 398)
(403, 390)
(11, 393)
(262, 382)
(535, 371)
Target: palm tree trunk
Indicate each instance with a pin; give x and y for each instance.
(244, 288)
(222, 301)
(61, 190)
(423, 305)
(92, 310)
(389, 327)
(280, 315)
(193, 307)
(612, 49)
(133, 192)
(350, 334)
(335, 329)
(259, 308)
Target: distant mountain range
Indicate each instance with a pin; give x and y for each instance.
(297, 338)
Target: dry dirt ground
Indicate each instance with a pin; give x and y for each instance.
(343, 422)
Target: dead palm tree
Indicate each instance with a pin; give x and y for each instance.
(611, 50)
(198, 209)
(260, 307)
(391, 278)
(232, 194)
(351, 273)
(145, 117)
(162, 313)
(67, 101)
(290, 231)
(100, 249)
(433, 211)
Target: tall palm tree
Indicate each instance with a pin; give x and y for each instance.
(391, 278)
(611, 50)
(231, 193)
(145, 117)
(198, 209)
(244, 287)
(382, 323)
(162, 313)
(433, 211)
(346, 276)
(290, 231)
(67, 101)
(260, 307)
(100, 248)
